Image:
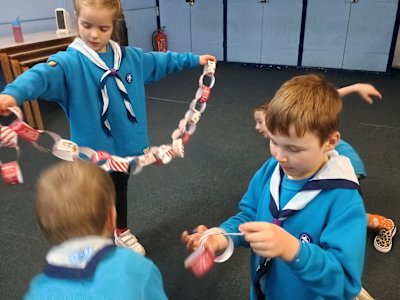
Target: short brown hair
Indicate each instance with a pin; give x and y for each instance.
(73, 199)
(308, 102)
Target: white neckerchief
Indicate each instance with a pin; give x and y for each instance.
(94, 57)
(76, 253)
(337, 167)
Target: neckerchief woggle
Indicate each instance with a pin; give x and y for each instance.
(336, 173)
(94, 57)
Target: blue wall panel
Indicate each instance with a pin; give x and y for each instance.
(281, 32)
(175, 16)
(207, 28)
(141, 24)
(197, 28)
(325, 33)
(138, 4)
(338, 33)
(244, 23)
(370, 34)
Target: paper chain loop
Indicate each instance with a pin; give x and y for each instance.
(69, 151)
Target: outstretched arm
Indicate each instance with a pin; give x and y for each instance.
(366, 91)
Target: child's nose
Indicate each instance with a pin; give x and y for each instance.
(280, 156)
(94, 33)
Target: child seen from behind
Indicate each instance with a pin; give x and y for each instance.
(75, 207)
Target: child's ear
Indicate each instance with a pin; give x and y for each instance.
(332, 141)
(111, 221)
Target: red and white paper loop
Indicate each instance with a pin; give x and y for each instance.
(228, 251)
(8, 137)
(201, 260)
(66, 150)
(116, 164)
(11, 173)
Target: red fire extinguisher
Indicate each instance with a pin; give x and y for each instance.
(159, 39)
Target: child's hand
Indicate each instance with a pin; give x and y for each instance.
(215, 243)
(368, 92)
(205, 58)
(6, 101)
(270, 240)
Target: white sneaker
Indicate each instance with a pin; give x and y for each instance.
(128, 240)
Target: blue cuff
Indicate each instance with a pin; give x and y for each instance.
(301, 258)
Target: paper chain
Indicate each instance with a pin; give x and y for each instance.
(69, 151)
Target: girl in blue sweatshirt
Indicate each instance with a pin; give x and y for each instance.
(100, 86)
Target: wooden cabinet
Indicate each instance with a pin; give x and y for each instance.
(266, 32)
(194, 26)
(349, 34)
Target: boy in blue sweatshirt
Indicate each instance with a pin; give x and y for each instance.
(76, 214)
(302, 215)
(387, 228)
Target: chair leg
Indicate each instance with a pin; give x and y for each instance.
(36, 113)
(28, 114)
(16, 67)
(34, 105)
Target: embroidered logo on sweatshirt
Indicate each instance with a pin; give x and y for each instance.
(129, 78)
(305, 238)
(81, 255)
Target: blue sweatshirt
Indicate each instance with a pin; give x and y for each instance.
(93, 268)
(332, 231)
(347, 150)
(73, 81)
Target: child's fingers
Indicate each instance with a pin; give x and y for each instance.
(249, 227)
(5, 112)
(190, 240)
(184, 236)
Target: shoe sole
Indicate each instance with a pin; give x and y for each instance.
(142, 251)
(386, 250)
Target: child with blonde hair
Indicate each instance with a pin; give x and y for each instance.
(76, 213)
(100, 86)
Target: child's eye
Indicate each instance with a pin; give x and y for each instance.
(104, 29)
(295, 150)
